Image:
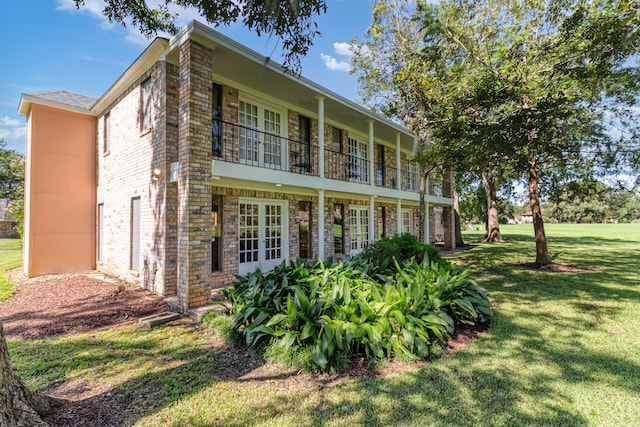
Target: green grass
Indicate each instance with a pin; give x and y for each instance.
(563, 349)
(10, 257)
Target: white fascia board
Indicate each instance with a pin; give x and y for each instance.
(27, 99)
(154, 52)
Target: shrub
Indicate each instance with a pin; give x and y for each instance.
(402, 248)
(322, 315)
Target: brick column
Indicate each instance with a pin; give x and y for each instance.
(447, 211)
(194, 176)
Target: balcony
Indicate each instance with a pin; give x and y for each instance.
(234, 143)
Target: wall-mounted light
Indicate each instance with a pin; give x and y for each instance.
(156, 174)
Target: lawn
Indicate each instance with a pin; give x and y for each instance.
(563, 349)
(10, 257)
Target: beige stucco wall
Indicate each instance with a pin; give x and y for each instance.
(60, 192)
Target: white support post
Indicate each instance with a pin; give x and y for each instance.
(399, 229)
(371, 153)
(398, 164)
(321, 236)
(321, 136)
(426, 223)
(372, 218)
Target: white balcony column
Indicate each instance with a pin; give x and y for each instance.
(371, 151)
(426, 223)
(321, 136)
(399, 229)
(321, 236)
(372, 218)
(398, 164)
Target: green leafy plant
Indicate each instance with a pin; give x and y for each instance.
(321, 315)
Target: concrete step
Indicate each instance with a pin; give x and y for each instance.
(158, 319)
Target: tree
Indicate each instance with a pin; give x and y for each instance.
(290, 20)
(11, 173)
(527, 87)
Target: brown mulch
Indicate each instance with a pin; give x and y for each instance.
(75, 303)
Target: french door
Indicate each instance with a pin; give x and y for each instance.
(262, 234)
(260, 140)
(358, 228)
(358, 161)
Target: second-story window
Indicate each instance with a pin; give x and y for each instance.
(146, 105)
(380, 166)
(106, 142)
(216, 119)
(303, 162)
(260, 141)
(358, 161)
(412, 176)
(336, 140)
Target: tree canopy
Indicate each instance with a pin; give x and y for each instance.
(537, 88)
(293, 21)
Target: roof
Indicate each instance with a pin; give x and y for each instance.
(57, 98)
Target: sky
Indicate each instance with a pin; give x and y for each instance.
(49, 44)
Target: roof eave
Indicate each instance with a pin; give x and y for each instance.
(26, 100)
(150, 55)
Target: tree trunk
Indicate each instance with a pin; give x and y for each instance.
(493, 225)
(542, 254)
(456, 216)
(18, 405)
(421, 210)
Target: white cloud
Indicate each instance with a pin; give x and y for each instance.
(12, 133)
(343, 49)
(8, 121)
(333, 64)
(94, 7)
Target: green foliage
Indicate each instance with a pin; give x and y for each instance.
(292, 21)
(402, 248)
(319, 316)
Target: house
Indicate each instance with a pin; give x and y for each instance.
(8, 225)
(205, 160)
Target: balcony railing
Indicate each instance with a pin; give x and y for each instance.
(244, 145)
(235, 143)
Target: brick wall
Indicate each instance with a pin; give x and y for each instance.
(194, 175)
(125, 172)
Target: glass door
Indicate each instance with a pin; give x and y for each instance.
(262, 235)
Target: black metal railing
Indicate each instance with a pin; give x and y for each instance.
(241, 144)
(236, 143)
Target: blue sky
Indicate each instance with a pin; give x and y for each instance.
(48, 44)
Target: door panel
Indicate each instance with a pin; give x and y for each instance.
(262, 234)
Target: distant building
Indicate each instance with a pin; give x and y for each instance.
(8, 224)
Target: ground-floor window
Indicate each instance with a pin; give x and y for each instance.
(358, 228)
(134, 253)
(216, 233)
(304, 229)
(262, 234)
(407, 221)
(338, 228)
(382, 220)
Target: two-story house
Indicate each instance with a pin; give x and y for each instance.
(205, 160)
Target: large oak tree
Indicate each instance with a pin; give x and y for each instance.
(525, 87)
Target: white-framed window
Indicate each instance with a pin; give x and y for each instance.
(358, 161)
(146, 105)
(406, 219)
(106, 140)
(358, 228)
(412, 176)
(261, 135)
